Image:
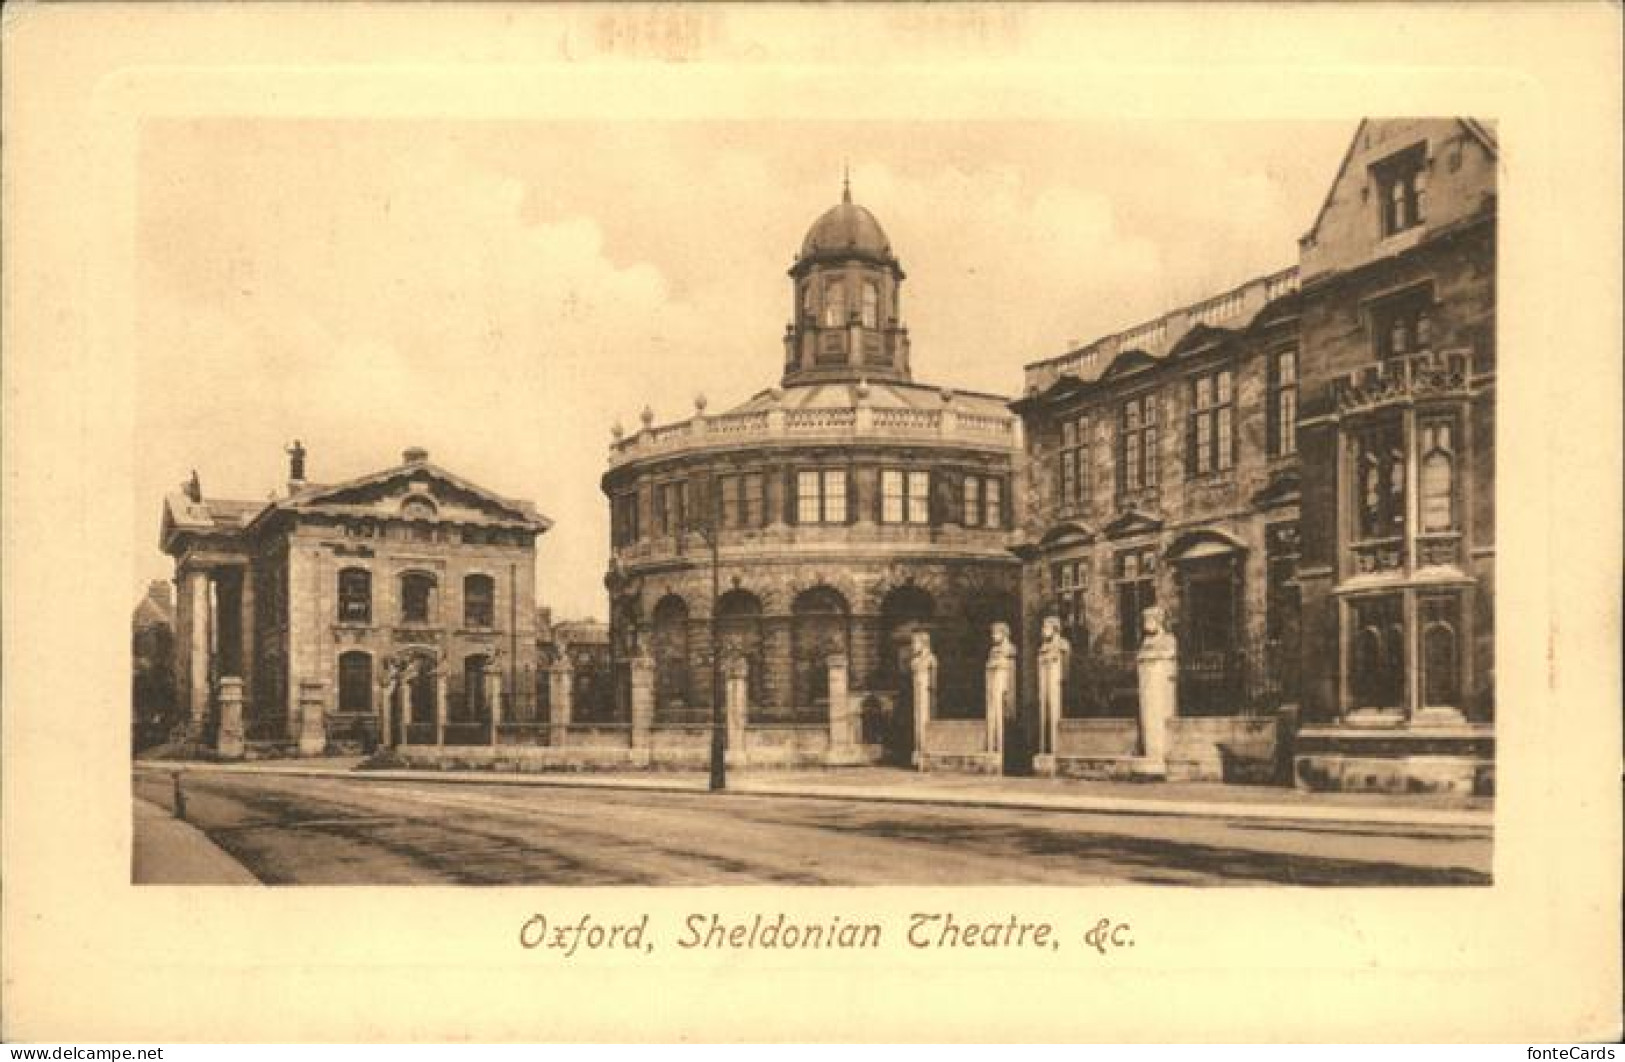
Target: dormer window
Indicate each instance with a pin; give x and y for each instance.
(1401, 182)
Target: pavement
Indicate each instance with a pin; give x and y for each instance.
(896, 786)
(168, 851)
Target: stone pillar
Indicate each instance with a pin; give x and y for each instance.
(228, 742)
(312, 718)
(1158, 666)
(840, 708)
(923, 669)
(386, 716)
(643, 701)
(440, 706)
(560, 694)
(195, 653)
(493, 700)
(736, 677)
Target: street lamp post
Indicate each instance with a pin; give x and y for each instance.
(710, 529)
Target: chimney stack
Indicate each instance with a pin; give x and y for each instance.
(414, 455)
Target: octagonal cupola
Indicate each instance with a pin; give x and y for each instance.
(846, 320)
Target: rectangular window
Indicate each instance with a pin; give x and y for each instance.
(728, 488)
(1070, 578)
(1283, 408)
(821, 496)
(1402, 325)
(1211, 446)
(1378, 481)
(1401, 181)
(919, 498)
(973, 501)
(905, 497)
(625, 518)
(355, 596)
(891, 496)
(808, 509)
(671, 507)
(1074, 485)
(1136, 591)
(1137, 444)
(752, 505)
(993, 499)
(834, 496)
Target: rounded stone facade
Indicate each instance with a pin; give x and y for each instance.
(824, 519)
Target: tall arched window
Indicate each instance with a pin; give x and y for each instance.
(479, 600)
(355, 682)
(355, 595)
(818, 630)
(417, 597)
(871, 305)
(1438, 477)
(670, 647)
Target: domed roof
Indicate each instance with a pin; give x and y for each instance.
(847, 229)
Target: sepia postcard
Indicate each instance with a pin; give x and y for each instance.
(988, 517)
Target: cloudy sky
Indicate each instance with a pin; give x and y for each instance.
(502, 292)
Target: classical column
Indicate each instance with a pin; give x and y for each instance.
(195, 604)
(312, 718)
(560, 694)
(228, 742)
(737, 684)
(840, 708)
(923, 669)
(1158, 666)
(643, 700)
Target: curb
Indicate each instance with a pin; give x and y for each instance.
(1441, 817)
(194, 858)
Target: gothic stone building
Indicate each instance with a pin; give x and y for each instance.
(395, 607)
(848, 505)
(1300, 471)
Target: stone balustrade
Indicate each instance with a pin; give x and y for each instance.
(836, 424)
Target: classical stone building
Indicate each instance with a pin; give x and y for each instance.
(811, 529)
(394, 608)
(1300, 471)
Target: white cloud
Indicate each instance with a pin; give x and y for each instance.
(502, 294)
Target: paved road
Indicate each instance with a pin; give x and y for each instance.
(289, 830)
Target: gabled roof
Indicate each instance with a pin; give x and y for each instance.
(327, 497)
(1476, 129)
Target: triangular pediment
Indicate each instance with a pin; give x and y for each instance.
(416, 492)
(1132, 522)
(1126, 362)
